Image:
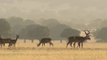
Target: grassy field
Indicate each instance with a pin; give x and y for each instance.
(29, 51)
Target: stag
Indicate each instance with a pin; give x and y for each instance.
(78, 39)
(13, 41)
(45, 40)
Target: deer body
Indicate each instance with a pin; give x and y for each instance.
(13, 41)
(78, 39)
(3, 41)
(45, 40)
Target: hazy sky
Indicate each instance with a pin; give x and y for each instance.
(63, 10)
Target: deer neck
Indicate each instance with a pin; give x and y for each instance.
(17, 38)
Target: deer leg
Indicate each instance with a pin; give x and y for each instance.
(74, 44)
(14, 44)
(43, 44)
(82, 45)
(71, 44)
(67, 44)
(0, 44)
(78, 44)
(3, 44)
(51, 44)
(10, 44)
(38, 44)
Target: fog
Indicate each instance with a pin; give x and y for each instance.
(66, 11)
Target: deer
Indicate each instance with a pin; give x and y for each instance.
(3, 41)
(13, 41)
(45, 40)
(78, 39)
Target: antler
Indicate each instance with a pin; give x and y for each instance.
(87, 32)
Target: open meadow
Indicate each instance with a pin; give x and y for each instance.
(30, 51)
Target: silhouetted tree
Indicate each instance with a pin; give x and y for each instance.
(5, 28)
(98, 23)
(69, 32)
(34, 31)
(28, 22)
(16, 23)
(55, 28)
(101, 34)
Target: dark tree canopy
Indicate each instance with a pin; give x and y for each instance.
(101, 34)
(18, 23)
(55, 28)
(34, 31)
(69, 32)
(28, 22)
(4, 27)
(98, 23)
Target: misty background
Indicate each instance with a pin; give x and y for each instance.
(69, 15)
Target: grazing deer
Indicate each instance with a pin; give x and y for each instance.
(13, 41)
(78, 39)
(45, 40)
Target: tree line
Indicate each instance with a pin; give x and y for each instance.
(29, 29)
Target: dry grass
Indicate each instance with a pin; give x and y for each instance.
(29, 51)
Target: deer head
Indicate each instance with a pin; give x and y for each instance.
(87, 32)
(17, 35)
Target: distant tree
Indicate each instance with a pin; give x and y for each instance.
(15, 20)
(28, 22)
(34, 31)
(5, 28)
(101, 34)
(69, 32)
(16, 23)
(104, 24)
(98, 23)
(55, 28)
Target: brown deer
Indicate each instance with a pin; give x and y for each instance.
(78, 39)
(13, 41)
(45, 40)
(3, 41)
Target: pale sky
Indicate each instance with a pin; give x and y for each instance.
(63, 10)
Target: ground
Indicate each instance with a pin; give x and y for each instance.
(29, 51)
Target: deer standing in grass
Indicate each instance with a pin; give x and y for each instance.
(13, 41)
(78, 39)
(45, 40)
(3, 41)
